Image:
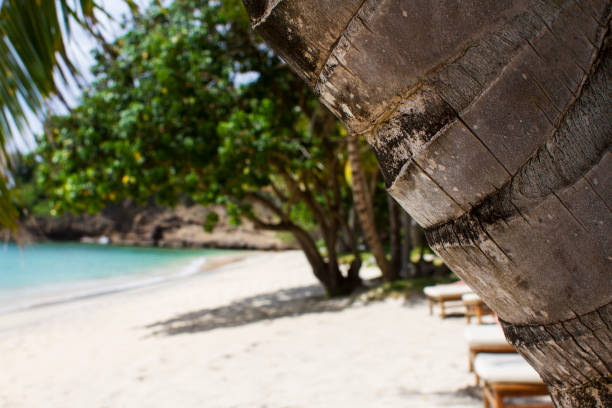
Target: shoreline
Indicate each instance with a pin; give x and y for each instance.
(49, 295)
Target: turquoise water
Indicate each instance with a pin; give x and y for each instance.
(54, 263)
(52, 273)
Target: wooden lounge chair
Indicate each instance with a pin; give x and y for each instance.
(509, 376)
(474, 307)
(486, 338)
(444, 293)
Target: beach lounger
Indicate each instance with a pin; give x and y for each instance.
(486, 338)
(509, 376)
(444, 293)
(474, 307)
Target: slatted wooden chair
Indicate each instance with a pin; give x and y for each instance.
(475, 307)
(441, 294)
(507, 376)
(486, 338)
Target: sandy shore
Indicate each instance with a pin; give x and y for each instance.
(252, 333)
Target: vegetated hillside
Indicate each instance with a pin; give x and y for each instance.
(152, 225)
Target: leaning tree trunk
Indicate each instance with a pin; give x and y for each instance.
(365, 209)
(491, 121)
(407, 244)
(395, 235)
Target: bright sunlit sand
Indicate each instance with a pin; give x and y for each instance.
(253, 333)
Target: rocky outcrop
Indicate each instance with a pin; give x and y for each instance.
(152, 225)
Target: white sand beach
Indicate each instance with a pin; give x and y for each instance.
(253, 333)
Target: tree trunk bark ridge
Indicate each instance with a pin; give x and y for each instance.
(491, 124)
(573, 355)
(577, 152)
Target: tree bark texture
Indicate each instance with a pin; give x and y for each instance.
(365, 209)
(491, 121)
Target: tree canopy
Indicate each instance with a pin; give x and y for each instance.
(169, 115)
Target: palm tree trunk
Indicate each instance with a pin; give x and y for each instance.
(395, 235)
(491, 124)
(365, 210)
(407, 244)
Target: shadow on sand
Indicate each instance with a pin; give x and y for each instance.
(468, 397)
(267, 306)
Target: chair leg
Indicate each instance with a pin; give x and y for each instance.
(442, 314)
(499, 401)
(479, 314)
(471, 359)
(430, 306)
(485, 396)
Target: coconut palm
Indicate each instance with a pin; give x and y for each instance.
(492, 122)
(33, 58)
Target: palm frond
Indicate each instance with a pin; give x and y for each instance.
(32, 50)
